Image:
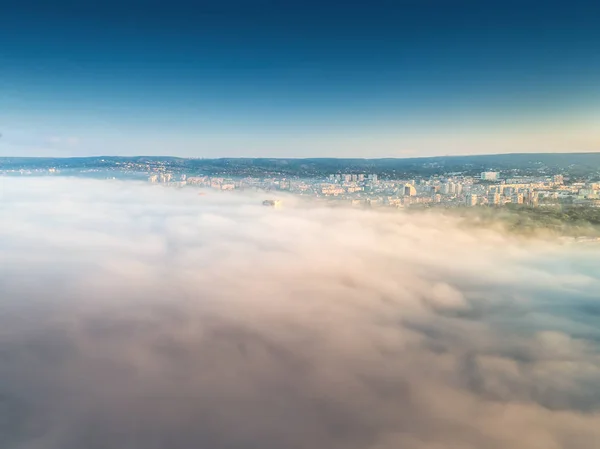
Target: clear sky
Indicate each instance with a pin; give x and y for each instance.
(304, 78)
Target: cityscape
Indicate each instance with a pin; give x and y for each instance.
(426, 183)
(367, 190)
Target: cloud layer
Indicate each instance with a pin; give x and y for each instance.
(134, 316)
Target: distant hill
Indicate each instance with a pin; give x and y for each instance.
(573, 164)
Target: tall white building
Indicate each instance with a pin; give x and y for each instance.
(165, 177)
(489, 176)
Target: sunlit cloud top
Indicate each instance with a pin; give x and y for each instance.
(137, 316)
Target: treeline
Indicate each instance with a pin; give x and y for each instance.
(561, 221)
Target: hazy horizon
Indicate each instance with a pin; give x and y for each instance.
(301, 157)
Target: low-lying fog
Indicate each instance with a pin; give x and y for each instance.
(134, 316)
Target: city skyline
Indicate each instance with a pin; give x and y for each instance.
(274, 79)
(555, 182)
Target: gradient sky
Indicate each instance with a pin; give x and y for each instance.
(299, 78)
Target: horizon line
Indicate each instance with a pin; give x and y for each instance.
(304, 158)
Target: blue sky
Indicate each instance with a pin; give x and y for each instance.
(299, 79)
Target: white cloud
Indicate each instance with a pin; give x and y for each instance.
(137, 316)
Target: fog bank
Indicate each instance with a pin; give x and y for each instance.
(137, 316)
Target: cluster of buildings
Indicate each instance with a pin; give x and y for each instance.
(163, 178)
(449, 190)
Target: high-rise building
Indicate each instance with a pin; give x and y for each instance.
(409, 190)
(517, 198)
(489, 176)
(272, 203)
(165, 177)
(471, 200)
(493, 198)
(531, 198)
